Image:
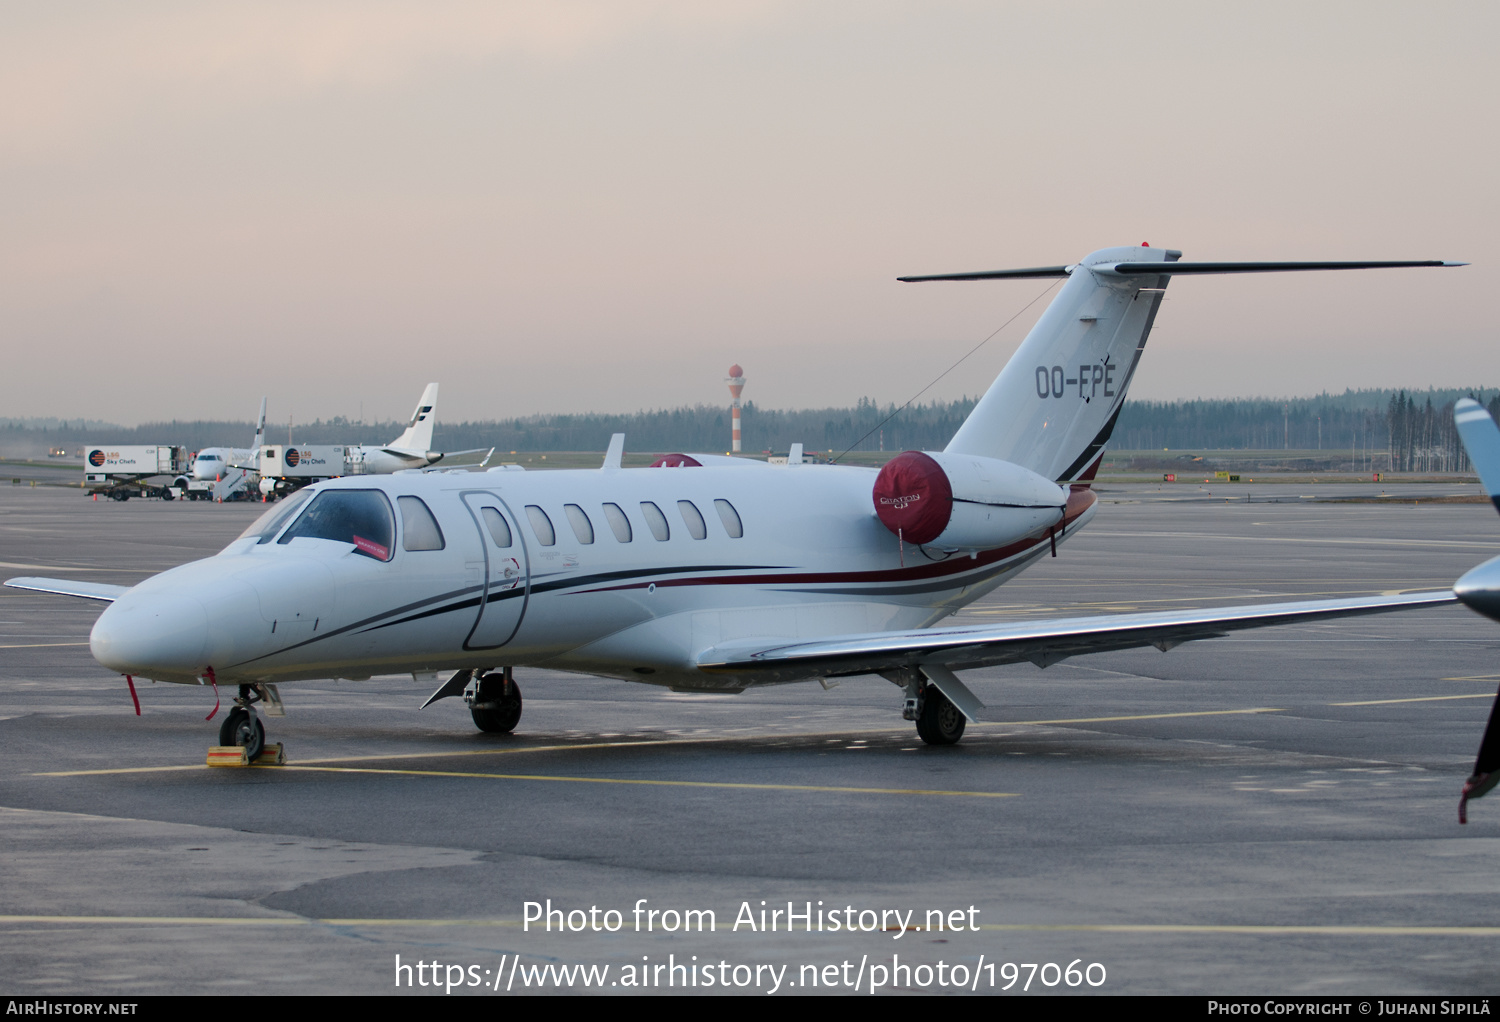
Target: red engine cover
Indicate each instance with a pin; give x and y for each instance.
(913, 497)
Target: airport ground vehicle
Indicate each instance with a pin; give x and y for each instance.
(121, 472)
(724, 576)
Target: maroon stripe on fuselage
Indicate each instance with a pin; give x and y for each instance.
(1079, 501)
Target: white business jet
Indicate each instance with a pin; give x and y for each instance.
(720, 576)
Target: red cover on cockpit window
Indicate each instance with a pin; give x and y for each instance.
(913, 497)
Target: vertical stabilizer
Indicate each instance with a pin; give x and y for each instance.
(1055, 403)
(418, 435)
(260, 436)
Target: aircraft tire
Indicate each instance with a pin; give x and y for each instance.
(941, 722)
(497, 715)
(240, 728)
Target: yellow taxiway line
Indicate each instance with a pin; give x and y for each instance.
(1141, 716)
(327, 763)
(1418, 699)
(623, 745)
(741, 786)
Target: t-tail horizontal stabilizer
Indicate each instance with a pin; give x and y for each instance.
(1178, 269)
(1053, 408)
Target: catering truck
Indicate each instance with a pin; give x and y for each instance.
(288, 467)
(124, 471)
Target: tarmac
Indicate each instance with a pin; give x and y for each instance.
(1271, 813)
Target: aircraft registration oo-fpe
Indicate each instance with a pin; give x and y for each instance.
(717, 574)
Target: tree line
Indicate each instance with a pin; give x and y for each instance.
(1391, 429)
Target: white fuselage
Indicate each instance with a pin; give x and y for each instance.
(377, 460)
(812, 561)
(215, 462)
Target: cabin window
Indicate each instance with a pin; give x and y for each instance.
(419, 530)
(270, 523)
(361, 517)
(541, 525)
(731, 519)
(693, 518)
(582, 527)
(618, 523)
(498, 526)
(656, 521)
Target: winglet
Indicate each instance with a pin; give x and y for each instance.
(616, 452)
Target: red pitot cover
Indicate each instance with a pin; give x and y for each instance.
(913, 497)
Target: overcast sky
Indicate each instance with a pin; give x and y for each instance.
(564, 206)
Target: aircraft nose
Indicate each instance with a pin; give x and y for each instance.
(165, 635)
(1480, 589)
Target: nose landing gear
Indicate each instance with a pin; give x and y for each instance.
(242, 725)
(495, 702)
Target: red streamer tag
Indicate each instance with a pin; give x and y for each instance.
(131, 682)
(374, 550)
(208, 673)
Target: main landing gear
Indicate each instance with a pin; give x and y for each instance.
(939, 722)
(495, 702)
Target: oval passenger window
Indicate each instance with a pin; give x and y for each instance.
(618, 523)
(693, 518)
(656, 521)
(582, 527)
(730, 517)
(541, 525)
(419, 529)
(498, 526)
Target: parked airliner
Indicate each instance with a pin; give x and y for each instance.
(412, 449)
(215, 463)
(717, 576)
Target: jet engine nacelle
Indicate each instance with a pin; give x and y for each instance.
(963, 501)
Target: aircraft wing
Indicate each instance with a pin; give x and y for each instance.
(1039, 642)
(67, 587)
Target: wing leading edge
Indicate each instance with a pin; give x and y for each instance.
(1038, 642)
(67, 587)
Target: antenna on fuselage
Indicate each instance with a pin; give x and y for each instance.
(616, 452)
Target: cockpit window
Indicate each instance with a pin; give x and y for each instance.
(209, 457)
(268, 524)
(361, 517)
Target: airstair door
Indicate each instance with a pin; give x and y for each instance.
(507, 573)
